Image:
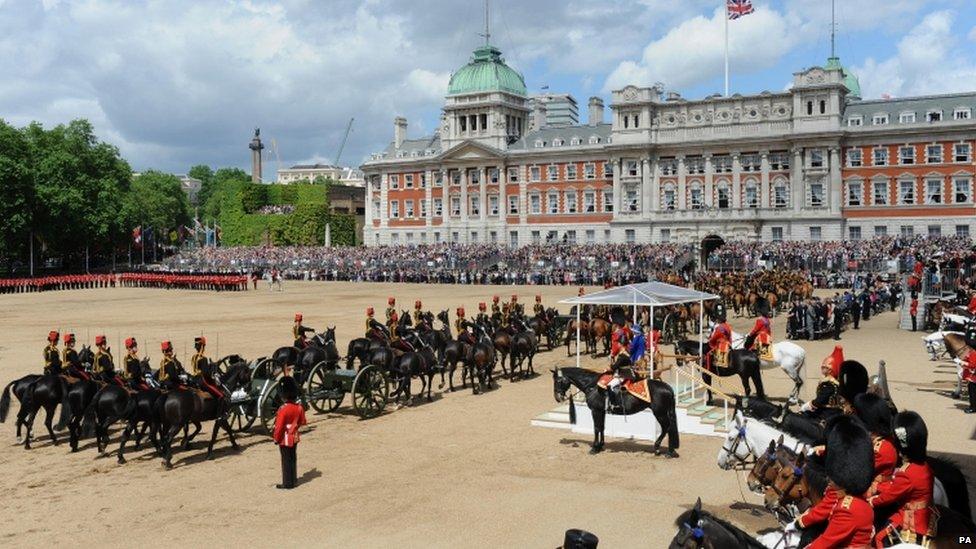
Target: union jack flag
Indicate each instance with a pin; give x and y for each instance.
(738, 8)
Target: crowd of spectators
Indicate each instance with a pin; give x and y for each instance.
(827, 263)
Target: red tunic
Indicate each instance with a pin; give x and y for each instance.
(821, 511)
(911, 488)
(850, 524)
(972, 305)
(290, 417)
(721, 337)
(885, 459)
(618, 341)
(969, 368)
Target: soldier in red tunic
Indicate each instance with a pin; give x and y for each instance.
(910, 488)
(972, 305)
(289, 418)
(719, 344)
(877, 417)
(850, 521)
(762, 334)
(969, 376)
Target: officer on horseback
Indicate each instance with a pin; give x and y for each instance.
(829, 396)
(461, 325)
(71, 364)
(133, 366)
(171, 372)
(298, 332)
(719, 344)
(104, 364)
(496, 311)
(762, 335)
(375, 330)
(52, 357)
(203, 369)
(482, 317)
(391, 315)
(418, 313)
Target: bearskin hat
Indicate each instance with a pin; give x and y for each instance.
(853, 379)
(289, 388)
(617, 317)
(874, 412)
(579, 539)
(850, 455)
(911, 436)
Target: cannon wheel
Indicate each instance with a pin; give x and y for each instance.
(241, 416)
(268, 404)
(370, 392)
(320, 381)
(265, 368)
(669, 332)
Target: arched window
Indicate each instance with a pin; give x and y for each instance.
(823, 107)
(751, 198)
(809, 107)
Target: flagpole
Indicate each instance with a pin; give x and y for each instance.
(726, 47)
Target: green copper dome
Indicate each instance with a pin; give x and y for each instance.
(486, 72)
(853, 86)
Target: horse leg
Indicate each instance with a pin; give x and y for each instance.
(599, 416)
(744, 376)
(48, 419)
(213, 438)
(662, 420)
(707, 378)
(167, 445)
(129, 428)
(196, 430)
(757, 381)
(29, 427)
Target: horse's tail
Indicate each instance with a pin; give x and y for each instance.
(674, 440)
(572, 411)
(954, 482)
(5, 401)
(88, 417)
(65, 406)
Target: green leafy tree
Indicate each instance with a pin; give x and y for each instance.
(16, 193)
(205, 174)
(157, 200)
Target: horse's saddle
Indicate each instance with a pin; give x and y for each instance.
(636, 387)
(720, 358)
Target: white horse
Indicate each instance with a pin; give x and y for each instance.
(787, 355)
(747, 439)
(935, 344)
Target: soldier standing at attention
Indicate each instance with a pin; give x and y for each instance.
(289, 418)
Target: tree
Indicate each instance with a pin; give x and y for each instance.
(225, 186)
(157, 200)
(205, 174)
(16, 193)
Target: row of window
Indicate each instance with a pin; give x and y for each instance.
(536, 237)
(934, 154)
(695, 165)
(910, 117)
(571, 173)
(555, 203)
(573, 141)
(723, 197)
(961, 192)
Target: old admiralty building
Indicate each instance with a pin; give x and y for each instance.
(815, 162)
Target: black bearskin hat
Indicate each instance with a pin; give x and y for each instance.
(850, 455)
(911, 436)
(579, 539)
(874, 412)
(853, 379)
(289, 388)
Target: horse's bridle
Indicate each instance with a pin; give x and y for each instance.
(696, 533)
(770, 459)
(740, 436)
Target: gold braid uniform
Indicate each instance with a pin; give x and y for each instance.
(52, 359)
(104, 363)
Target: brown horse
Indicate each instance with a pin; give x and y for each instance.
(584, 335)
(600, 330)
(502, 341)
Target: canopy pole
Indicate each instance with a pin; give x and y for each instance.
(701, 331)
(578, 307)
(650, 332)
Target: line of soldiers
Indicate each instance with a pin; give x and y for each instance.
(215, 282)
(133, 375)
(50, 283)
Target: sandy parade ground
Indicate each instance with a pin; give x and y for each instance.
(462, 471)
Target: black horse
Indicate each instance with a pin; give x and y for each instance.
(35, 392)
(19, 389)
(662, 405)
(524, 346)
(699, 529)
(420, 363)
(480, 362)
(743, 363)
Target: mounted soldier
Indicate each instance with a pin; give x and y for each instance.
(461, 325)
(104, 364)
(482, 317)
(132, 370)
(52, 357)
(719, 345)
(203, 370)
(71, 364)
(375, 330)
(761, 336)
(496, 311)
(298, 332)
(418, 313)
(171, 372)
(829, 399)
(391, 314)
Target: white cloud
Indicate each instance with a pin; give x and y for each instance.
(693, 52)
(928, 61)
(972, 34)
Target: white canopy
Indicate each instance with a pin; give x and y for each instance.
(647, 294)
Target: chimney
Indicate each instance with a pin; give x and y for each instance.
(596, 111)
(399, 130)
(538, 115)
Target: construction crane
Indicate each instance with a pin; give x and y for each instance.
(274, 151)
(342, 145)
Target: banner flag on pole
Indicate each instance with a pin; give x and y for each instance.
(739, 8)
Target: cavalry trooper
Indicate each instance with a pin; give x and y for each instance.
(298, 332)
(506, 313)
(910, 489)
(171, 372)
(132, 366)
(52, 357)
(762, 334)
(71, 363)
(418, 313)
(391, 315)
(496, 311)
(517, 307)
(719, 344)
(828, 391)
(203, 370)
(482, 317)
(104, 364)
(538, 309)
(461, 325)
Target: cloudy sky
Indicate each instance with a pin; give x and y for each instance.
(175, 83)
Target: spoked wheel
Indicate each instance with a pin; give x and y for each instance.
(268, 405)
(669, 332)
(265, 368)
(242, 415)
(323, 392)
(370, 392)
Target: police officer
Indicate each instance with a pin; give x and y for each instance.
(203, 370)
(104, 364)
(52, 357)
(171, 372)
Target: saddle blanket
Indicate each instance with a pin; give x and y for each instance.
(637, 388)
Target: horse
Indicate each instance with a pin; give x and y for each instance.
(481, 360)
(935, 345)
(584, 334)
(747, 438)
(958, 347)
(178, 408)
(45, 391)
(600, 330)
(358, 348)
(662, 405)
(501, 340)
(743, 363)
(421, 363)
(524, 346)
(698, 529)
(455, 351)
(19, 389)
(321, 348)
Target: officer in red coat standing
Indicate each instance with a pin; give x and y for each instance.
(289, 418)
(969, 376)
